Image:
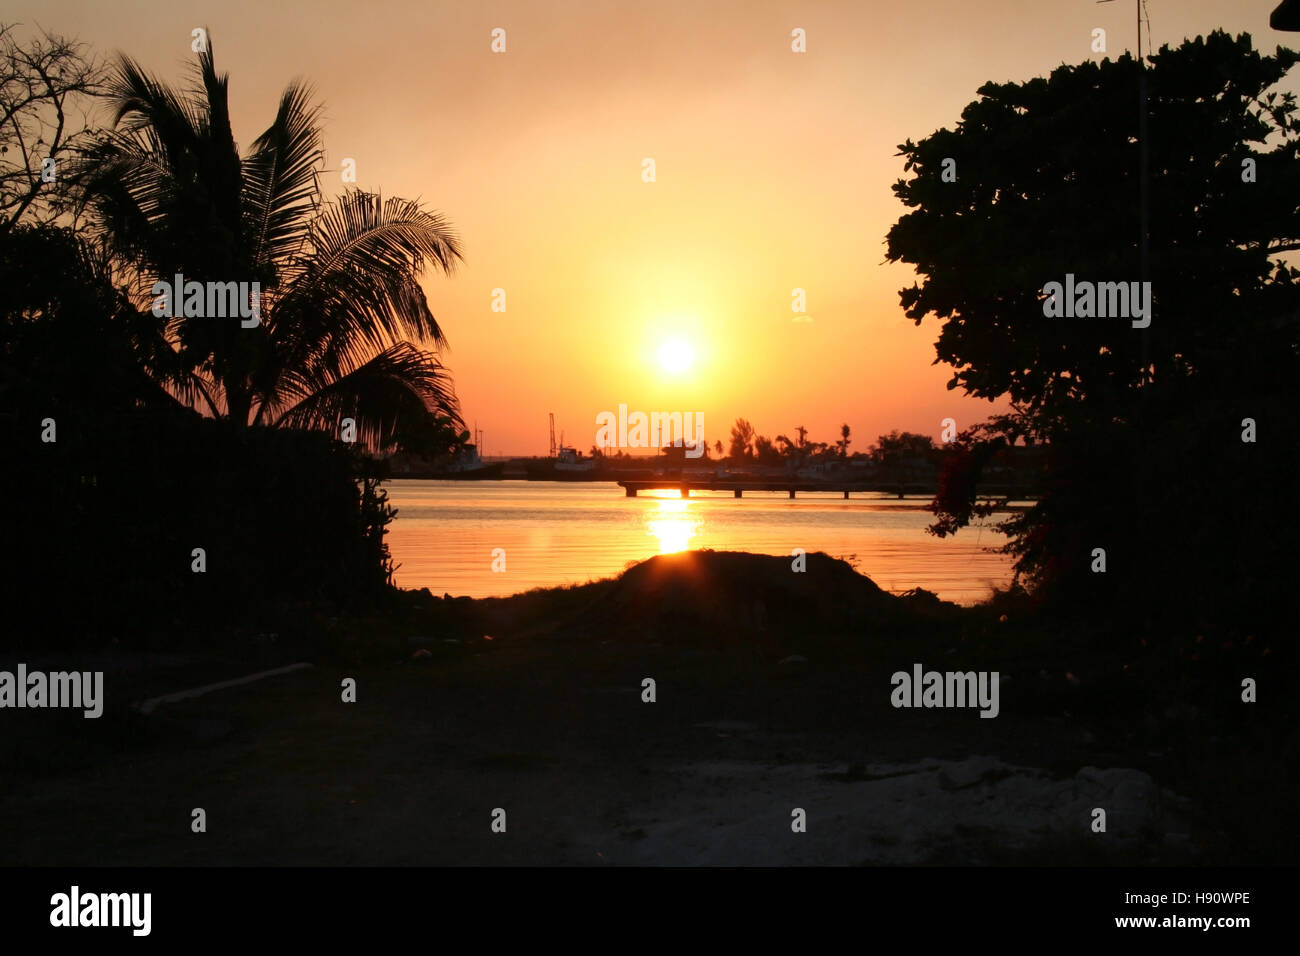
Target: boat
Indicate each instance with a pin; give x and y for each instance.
(571, 460)
(483, 472)
(567, 465)
(465, 466)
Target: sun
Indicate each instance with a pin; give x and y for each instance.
(676, 356)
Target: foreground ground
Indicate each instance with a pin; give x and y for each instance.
(772, 694)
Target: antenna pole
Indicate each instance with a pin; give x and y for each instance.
(1144, 205)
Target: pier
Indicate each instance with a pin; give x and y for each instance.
(738, 488)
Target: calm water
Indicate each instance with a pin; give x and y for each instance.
(557, 533)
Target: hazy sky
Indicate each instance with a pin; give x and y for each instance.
(773, 173)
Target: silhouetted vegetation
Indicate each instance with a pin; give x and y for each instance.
(340, 298)
(47, 85)
(110, 485)
(1143, 428)
(135, 438)
(102, 546)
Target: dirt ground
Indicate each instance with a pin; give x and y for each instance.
(533, 705)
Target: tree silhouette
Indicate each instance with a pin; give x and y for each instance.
(742, 439)
(1047, 186)
(765, 452)
(1021, 215)
(340, 296)
(47, 85)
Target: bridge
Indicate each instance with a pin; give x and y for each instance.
(738, 488)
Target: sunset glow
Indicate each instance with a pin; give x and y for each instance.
(535, 156)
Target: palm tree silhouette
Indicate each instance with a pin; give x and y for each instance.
(340, 296)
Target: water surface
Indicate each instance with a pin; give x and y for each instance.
(556, 533)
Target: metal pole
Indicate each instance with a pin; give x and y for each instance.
(1144, 214)
(1144, 207)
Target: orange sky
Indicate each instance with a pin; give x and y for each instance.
(773, 173)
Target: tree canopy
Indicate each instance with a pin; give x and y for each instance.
(343, 316)
(1047, 184)
(1145, 427)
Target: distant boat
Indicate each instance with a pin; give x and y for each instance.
(481, 472)
(570, 459)
(466, 466)
(567, 465)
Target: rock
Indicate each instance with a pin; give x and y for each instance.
(972, 771)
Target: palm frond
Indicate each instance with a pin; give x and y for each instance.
(368, 253)
(357, 291)
(281, 180)
(142, 103)
(217, 161)
(166, 181)
(340, 282)
(400, 384)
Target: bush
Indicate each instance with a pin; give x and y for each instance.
(105, 520)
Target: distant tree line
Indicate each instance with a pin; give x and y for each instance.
(747, 446)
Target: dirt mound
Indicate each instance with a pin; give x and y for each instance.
(726, 595)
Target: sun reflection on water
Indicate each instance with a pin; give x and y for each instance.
(672, 523)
